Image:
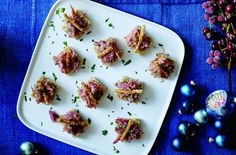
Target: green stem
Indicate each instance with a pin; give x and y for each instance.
(229, 75)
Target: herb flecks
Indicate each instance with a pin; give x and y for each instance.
(65, 43)
(43, 72)
(58, 98)
(129, 113)
(107, 20)
(51, 24)
(104, 132)
(88, 32)
(54, 76)
(74, 99)
(127, 62)
(89, 121)
(116, 150)
(93, 67)
(110, 97)
(143, 102)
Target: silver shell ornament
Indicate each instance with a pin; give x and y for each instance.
(219, 104)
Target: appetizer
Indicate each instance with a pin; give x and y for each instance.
(44, 90)
(108, 51)
(162, 66)
(129, 89)
(72, 121)
(138, 40)
(68, 61)
(91, 92)
(127, 129)
(76, 24)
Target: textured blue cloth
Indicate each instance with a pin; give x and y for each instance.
(20, 25)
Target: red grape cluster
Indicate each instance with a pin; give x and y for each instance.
(221, 15)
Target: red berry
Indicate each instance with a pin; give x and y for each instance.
(229, 8)
(205, 30)
(229, 47)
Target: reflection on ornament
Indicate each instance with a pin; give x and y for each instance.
(221, 140)
(185, 128)
(188, 90)
(28, 148)
(179, 143)
(218, 104)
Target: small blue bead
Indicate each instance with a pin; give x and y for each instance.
(219, 125)
(200, 117)
(179, 143)
(27, 148)
(185, 128)
(221, 140)
(187, 90)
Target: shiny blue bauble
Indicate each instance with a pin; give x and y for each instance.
(27, 148)
(200, 117)
(221, 140)
(187, 107)
(179, 143)
(188, 90)
(185, 128)
(219, 125)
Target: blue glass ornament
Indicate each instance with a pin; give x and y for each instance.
(221, 140)
(219, 105)
(187, 107)
(188, 90)
(179, 143)
(185, 128)
(27, 148)
(200, 117)
(219, 125)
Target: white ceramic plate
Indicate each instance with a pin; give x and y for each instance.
(157, 93)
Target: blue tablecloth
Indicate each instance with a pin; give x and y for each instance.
(20, 25)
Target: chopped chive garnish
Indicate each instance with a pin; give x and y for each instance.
(63, 10)
(104, 132)
(160, 44)
(81, 39)
(25, 97)
(117, 151)
(107, 67)
(110, 25)
(89, 121)
(25, 93)
(51, 24)
(57, 11)
(93, 67)
(82, 67)
(87, 50)
(127, 62)
(58, 98)
(143, 145)
(65, 43)
(121, 108)
(123, 61)
(113, 111)
(54, 76)
(108, 115)
(92, 40)
(145, 70)
(136, 72)
(76, 82)
(29, 98)
(89, 32)
(111, 123)
(107, 20)
(143, 102)
(43, 73)
(84, 61)
(154, 47)
(129, 51)
(129, 113)
(52, 42)
(110, 97)
(41, 123)
(74, 99)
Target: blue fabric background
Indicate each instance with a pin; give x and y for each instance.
(20, 25)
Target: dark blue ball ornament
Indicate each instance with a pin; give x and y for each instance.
(188, 90)
(219, 125)
(221, 140)
(179, 143)
(27, 148)
(200, 117)
(187, 107)
(185, 128)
